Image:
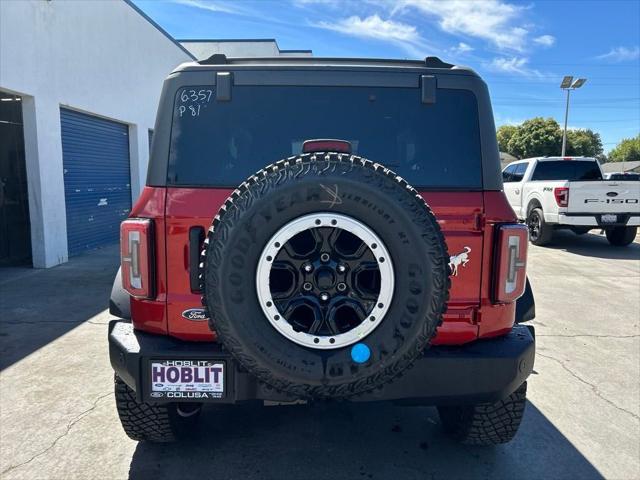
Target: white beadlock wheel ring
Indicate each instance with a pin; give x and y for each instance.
(311, 221)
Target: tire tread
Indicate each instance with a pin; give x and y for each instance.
(141, 421)
(486, 423)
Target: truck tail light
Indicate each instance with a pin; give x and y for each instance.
(326, 145)
(136, 256)
(511, 262)
(562, 196)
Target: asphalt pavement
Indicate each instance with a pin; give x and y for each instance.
(58, 418)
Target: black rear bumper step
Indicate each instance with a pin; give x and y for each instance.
(482, 371)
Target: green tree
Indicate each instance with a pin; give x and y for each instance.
(505, 132)
(537, 137)
(583, 142)
(628, 150)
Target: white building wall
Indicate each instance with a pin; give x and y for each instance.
(203, 49)
(101, 57)
(240, 48)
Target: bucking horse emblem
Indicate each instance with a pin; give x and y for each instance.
(459, 260)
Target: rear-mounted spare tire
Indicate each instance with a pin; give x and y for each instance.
(325, 275)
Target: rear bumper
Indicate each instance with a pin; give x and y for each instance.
(482, 371)
(591, 220)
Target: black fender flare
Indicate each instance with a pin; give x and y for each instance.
(526, 305)
(120, 300)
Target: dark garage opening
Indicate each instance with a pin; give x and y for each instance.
(15, 228)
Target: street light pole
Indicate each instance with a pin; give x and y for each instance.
(566, 117)
(568, 84)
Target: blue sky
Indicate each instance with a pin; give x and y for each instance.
(521, 49)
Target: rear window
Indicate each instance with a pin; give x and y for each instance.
(221, 143)
(570, 170)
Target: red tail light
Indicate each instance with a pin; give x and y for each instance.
(511, 262)
(136, 256)
(562, 196)
(326, 145)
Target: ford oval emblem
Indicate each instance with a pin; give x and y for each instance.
(196, 314)
(612, 194)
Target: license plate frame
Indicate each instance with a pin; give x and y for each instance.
(609, 218)
(186, 380)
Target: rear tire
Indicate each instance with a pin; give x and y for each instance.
(153, 423)
(621, 236)
(485, 423)
(540, 232)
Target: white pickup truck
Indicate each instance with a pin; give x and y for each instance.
(569, 192)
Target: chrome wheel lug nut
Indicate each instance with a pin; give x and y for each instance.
(307, 286)
(342, 268)
(342, 287)
(324, 257)
(307, 267)
(324, 296)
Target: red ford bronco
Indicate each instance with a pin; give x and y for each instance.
(323, 229)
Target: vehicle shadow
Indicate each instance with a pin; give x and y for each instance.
(592, 245)
(38, 306)
(351, 441)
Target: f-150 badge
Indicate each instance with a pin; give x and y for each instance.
(458, 260)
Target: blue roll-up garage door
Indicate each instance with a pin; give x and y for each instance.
(97, 179)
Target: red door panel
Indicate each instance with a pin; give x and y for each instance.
(459, 215)
(186, 208)
(460, 218)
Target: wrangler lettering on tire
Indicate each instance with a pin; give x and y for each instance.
(325, 275)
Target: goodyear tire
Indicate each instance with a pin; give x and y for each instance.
(325, 275)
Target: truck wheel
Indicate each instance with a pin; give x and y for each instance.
(485, 423)
(325, 275)
(540, 232)
(621, 236)
(153, 423)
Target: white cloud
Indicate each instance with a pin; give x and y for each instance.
(461, 48)
(512, 65)
(374, 27)
(508, 121)
(491, 20)
(516, 65)
(545, 40)
(210, 5)
(621, 54)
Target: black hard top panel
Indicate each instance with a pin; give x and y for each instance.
(301, 71)
(220, 60)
